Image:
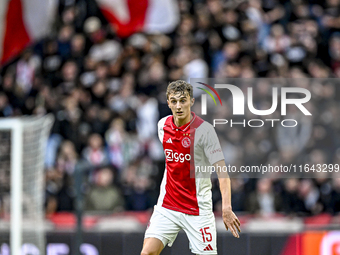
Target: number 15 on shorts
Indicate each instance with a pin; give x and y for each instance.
(206, 235)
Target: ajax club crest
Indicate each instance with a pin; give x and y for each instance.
(186, 142)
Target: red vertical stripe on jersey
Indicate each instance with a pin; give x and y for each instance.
(16, 37)
(137, 9)
(180, 188)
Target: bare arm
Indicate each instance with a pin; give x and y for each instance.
(229, 218)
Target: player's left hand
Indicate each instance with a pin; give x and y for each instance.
(231, 222)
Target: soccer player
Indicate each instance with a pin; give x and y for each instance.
(185, 202)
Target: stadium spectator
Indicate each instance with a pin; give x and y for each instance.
(123, 147)
(264, 201)
(5, 108)
(334, 205)
(291, 202)
(310, 196)
(104, 196)
(95, 153)
(67, 158)
(238, 195)
(136, 185)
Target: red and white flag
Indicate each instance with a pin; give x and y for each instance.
(149, 16)
(22, 22)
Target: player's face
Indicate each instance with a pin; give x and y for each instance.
(180, 105)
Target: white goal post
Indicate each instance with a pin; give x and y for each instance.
(27, 140)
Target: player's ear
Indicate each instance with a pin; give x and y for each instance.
(192, 102)
(167, 101)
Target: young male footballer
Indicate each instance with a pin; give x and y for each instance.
(185, 200)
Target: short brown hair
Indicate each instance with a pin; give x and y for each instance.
(181, 87)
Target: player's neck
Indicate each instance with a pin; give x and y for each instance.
(180, 122)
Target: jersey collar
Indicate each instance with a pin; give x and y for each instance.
(185, 126)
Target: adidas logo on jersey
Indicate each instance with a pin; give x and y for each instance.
(208, 248)
(169, 140)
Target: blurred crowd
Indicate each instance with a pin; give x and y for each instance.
(107, 94)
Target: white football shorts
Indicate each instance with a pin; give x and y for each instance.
(201, 230)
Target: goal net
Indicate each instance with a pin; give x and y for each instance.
(22, 150)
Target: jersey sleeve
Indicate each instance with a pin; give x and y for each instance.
(160, 128)
(211, 145)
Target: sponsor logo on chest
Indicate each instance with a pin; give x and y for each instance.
(175, 156)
